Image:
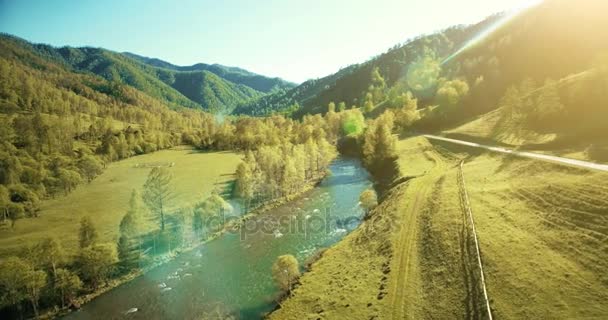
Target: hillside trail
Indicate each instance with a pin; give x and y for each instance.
(403, 284)
(525, 154)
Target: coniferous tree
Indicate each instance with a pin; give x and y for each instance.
(157, 194)
(88, 233)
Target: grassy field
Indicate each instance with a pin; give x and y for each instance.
(105, 199)
(543, 231)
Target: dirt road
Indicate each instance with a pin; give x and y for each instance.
(532, 155)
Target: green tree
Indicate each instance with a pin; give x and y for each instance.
(406, 112)
(89, 167)
(19, 280)
(87, 235)
(451, 92)
(377, 88)
(67, 284)
(13, 275)
(285, 271)
(132, 223)
(331, 107)
(5, 201)
(96, 262)
(379, 146)
(14, 212)
(353, 122)
(245, 182)
(341, 106)
(50, 254)
(131, 230)
(368, 105)
(368, 199)
(157, 193)
(35, 281)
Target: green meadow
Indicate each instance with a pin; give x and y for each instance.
(106, 198)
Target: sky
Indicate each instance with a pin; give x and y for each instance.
(292, 39)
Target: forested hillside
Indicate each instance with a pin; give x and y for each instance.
(60, 129)
(233, 74)
(210, 87)
(533, 61)
(288, 101)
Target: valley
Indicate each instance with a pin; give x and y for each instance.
(457, 174)
(526, 233)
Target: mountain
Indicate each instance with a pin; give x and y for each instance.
(289, 99)
(233, 74)
(349, 85)
(543, 63)
(210, 87)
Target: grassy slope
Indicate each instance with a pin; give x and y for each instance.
(492, 128)
(107, 197)
(542, 231)
(351, 280)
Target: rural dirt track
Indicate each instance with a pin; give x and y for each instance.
(531, 155)
(402, 261)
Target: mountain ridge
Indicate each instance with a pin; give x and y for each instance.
(210, 88)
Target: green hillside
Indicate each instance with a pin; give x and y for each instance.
(233, 74)
(193, 88)
(289, 100)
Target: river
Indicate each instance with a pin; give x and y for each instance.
(232, 274)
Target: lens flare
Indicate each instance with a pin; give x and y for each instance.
(493, 27)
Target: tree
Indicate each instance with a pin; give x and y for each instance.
(245, 183)
(331, 107)
(379, 146)
(285, 271)
(68, 179)
(512, 103)
(353, 122)
(131, 229)
(341, 106)
(67, 284)
(19, 280)
(368, 200)
(368, 105)
(50, 254)
(377, 87)
(548, 103)
(289, 179)
(35, 280)
(132, 223)
(4, 202)
(90, 167)
(96, 262)
(14, 212)
(406, 112)
(13, 274)
(157, 193)
(88, 234)
(451, 92)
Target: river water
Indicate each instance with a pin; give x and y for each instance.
(232, 274)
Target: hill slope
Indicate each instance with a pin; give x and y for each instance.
(209, 87)
(233, 74)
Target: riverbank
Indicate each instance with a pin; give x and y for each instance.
(232, 226)
(351, 279)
